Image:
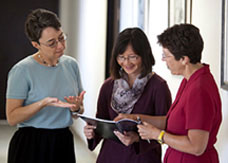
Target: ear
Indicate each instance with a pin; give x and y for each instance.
(185, 60)
(35, 44)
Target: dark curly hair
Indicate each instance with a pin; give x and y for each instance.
(141, 46)
(37, 21)
(183, 40)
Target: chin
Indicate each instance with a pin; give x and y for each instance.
(129, 71)
(59, 54)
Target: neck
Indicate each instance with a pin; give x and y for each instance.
(131, 79)
(43, 61)
(191, 68)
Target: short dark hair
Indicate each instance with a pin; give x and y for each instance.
(37, 21)
(141, 46)
(183, 40)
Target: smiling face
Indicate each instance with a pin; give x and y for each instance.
(51, 43)
(175, 66)
(130, 62)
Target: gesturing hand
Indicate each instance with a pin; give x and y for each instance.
(53, 101)
(77, 100)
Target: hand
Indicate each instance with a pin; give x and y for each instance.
(127, 138)
(124, 116)
(53, 101)
(148, 131)
(89, 131)
(77, 100)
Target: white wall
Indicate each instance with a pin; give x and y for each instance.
(85, 23)
(207, 16)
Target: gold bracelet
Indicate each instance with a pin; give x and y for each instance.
(160, 137)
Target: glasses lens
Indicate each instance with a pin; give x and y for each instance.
(132, 58)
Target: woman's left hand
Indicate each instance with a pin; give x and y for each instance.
(127, 138)
(77, 100)
(124, 116)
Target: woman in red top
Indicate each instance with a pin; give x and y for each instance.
(193, 121)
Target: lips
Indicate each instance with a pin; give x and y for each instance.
(129, 67)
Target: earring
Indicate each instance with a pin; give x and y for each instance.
(121, 71)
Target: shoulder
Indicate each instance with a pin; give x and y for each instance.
(107, 86)
(68, 59)
(22, 65)
(157, 81)
(108, 83)
(69, 62)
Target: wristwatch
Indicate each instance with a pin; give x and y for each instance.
(160, 137)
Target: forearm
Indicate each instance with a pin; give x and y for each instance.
(187, 143)
(22, 113)
(157, 121)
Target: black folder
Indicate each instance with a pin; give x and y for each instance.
(105, 128)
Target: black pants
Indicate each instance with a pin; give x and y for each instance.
(31, 145)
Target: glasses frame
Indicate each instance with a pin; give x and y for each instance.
(62, 40)
(131, 58)
(164, 56)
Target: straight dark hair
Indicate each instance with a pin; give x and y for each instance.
(141, 46)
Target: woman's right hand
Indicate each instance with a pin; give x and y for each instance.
(89, 131)
(53, 101)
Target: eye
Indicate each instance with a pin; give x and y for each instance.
(52, 43)
(120, 57)
(132, 57)
(62, 38)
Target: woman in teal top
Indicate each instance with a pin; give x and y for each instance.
(43, 90)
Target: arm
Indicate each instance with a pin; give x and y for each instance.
(102, 112)
(16, 112)
(196, 139)
(195, 142)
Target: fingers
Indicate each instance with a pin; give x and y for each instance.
(81, 96)
(147, 131)
(121, 137)
(49, 100)
(63, 104)
(89, 131)
(118, 134)
(120, 116)
(127, 138)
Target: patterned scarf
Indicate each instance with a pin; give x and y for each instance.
(124, 97)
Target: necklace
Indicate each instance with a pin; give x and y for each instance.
(45, 63)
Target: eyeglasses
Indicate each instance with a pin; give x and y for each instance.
(165, 56)
(131, 58)
(53, 43)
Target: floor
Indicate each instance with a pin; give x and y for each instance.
(83, 155)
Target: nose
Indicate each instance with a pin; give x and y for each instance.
(126, 60)
(60, 45)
